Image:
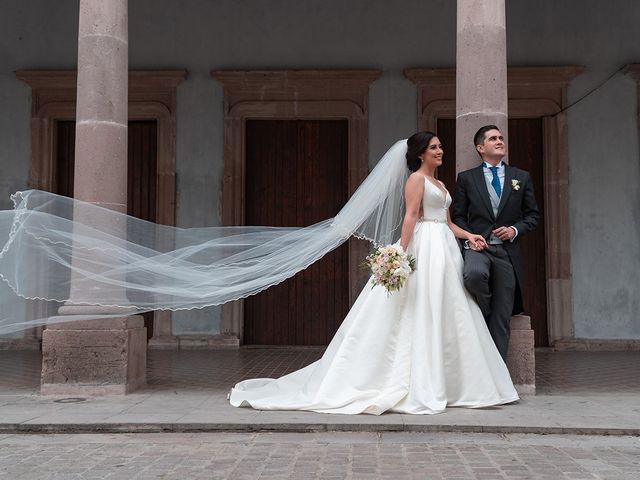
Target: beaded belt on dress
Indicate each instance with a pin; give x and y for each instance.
(432, 220)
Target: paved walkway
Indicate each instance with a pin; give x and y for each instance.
(579, 392)
(325, 456)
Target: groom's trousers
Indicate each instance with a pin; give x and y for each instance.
(489, 277)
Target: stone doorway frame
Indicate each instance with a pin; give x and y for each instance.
(290, 95)
(534, 92)
(152, 96)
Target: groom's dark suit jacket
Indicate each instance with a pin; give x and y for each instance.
(471, 210)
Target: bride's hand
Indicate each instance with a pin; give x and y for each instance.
(476, 242)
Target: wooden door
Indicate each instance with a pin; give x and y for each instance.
(142, 169)
(296, 175)
(141, 177)
(65, 156)
(525, 152)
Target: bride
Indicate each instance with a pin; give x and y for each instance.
(416, 351)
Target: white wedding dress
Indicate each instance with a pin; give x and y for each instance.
(417, 351)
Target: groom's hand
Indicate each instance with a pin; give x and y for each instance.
(505, 233)
(476, 242)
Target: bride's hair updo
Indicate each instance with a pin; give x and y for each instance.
(416, 144)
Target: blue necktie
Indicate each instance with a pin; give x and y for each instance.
(495, 181)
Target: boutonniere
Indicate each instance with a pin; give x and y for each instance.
(515, 184)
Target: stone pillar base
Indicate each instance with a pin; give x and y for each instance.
(521, 359)
(208, 342)
(194, 342)
(95, 357)
(164, 342)
(596, 345)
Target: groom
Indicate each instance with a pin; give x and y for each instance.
(496, 201)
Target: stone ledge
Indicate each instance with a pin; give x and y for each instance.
(164, 342)
(207, 342)
(194, 342)
(596, 345)
(19, 344)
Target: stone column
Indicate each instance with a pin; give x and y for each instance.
(482, 99)
(163, 337)
(481, 74)
(98, 356)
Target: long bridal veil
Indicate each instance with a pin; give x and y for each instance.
(57, 250)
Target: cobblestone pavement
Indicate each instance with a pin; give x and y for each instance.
(327, 456)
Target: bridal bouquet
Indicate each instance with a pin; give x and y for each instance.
(390, 267)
